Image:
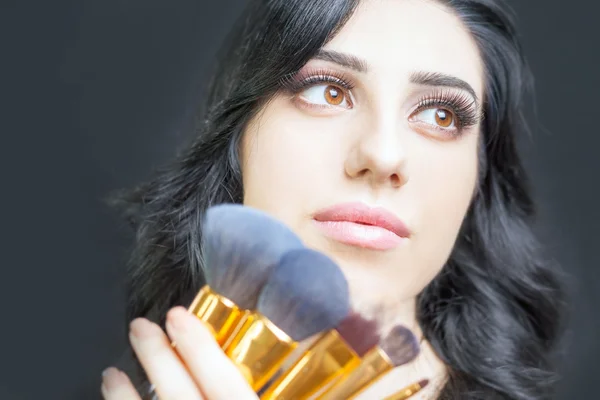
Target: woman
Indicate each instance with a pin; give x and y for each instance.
(409, 109)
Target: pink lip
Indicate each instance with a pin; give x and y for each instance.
(359, 225)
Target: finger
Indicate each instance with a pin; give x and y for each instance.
(117, 386)
(171, 379)
(217, 376)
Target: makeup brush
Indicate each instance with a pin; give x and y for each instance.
(241, 246)
(409, 391)
(306, 294)
(398, 347)
(327, 361)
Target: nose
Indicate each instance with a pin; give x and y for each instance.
(378, 156)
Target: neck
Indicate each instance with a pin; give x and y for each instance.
(387, 307)
(427, 365)
(389, 315)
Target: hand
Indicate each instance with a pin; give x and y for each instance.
(196, 368)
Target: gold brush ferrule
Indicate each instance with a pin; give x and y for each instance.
(323, 364)
(407, 392)
(259, 349)
(374, 364)
(220, 313)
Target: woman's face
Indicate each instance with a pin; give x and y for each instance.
(381, 127)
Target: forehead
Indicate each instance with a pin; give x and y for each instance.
(398, 37)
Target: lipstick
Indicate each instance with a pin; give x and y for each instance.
(357, 224)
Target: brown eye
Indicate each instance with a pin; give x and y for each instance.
(334, 95)
(437, 118)
(443, 117)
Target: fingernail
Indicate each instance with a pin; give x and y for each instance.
(112, 378)
(178, 319)
(141, 328)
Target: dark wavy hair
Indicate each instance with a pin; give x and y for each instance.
(493, 314)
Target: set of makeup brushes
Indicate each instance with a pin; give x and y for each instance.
(266, 292)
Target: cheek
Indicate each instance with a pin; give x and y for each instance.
(286, 161)
(438, 195)
(444, 180)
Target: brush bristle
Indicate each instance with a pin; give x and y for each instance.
(306, 294)
(359, 333)
(423, 383)
(400, 345)
(241, 246)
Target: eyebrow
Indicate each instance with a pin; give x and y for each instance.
(343, 59)
(418, 77)
(439, 79)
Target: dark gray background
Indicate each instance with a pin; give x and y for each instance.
(97, 93)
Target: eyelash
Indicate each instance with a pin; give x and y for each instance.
(460, 104)
(295, 83)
